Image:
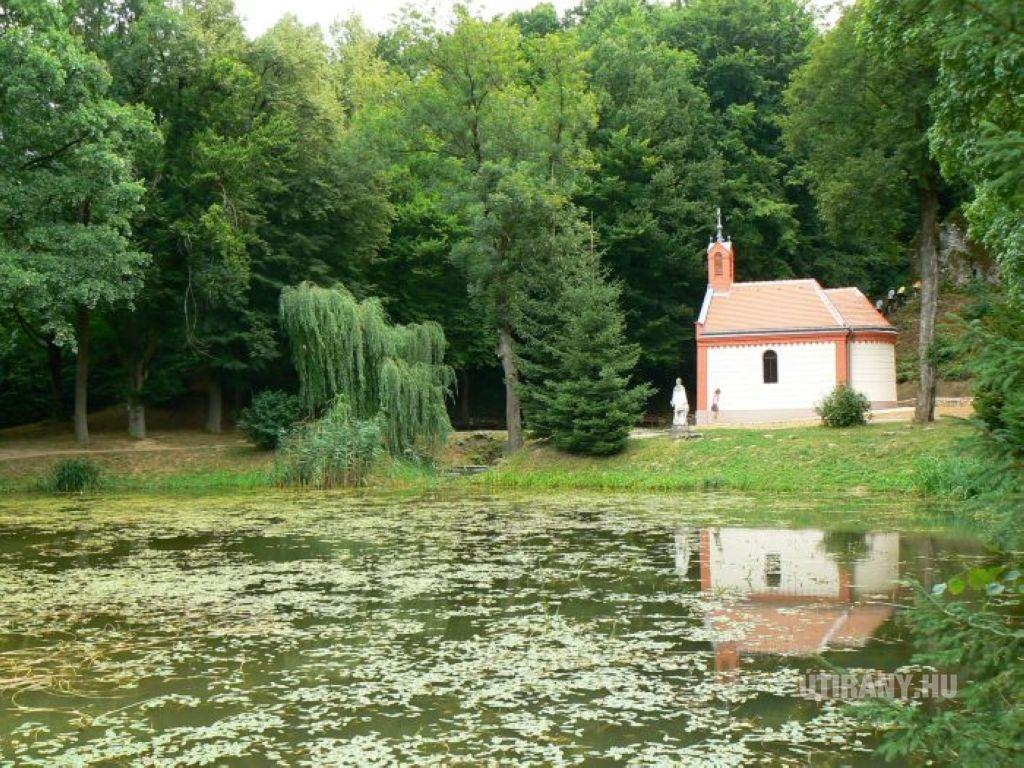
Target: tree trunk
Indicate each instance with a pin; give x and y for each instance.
(137, 419)
(513, 411)
(215, 406)
(82, 376)
(136, 405)
(464, 397)
(55, 361)
(924, 411)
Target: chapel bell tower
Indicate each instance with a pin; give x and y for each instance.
(720, 259)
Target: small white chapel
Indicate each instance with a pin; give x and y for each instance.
(772, 350)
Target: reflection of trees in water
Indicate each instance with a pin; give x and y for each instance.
(845, 547)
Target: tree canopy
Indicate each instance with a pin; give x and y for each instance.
(457, 172)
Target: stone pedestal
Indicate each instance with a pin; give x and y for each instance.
(683, 432)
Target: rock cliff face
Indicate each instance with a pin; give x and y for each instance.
(961, 261)
(952, 379)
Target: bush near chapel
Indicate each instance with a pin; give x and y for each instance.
(844, 407)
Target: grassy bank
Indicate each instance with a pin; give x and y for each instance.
(880, 458)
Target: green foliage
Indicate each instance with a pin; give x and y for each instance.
(414, 276)
(67, 183)
(960, 476)
(347, 348)
(995, 340)
(73, 476)
(24, 376)
(259, 182)
(578, 380)
(969, 626)
(843, 407)
(857, 122)
(992, 344)
(494, 108)
(268, 417)
(689, 108)
(978, 134)
(747, 51)
(407, 166)
(657, 174)
(335, 451)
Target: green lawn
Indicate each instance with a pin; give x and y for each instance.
(893, 457)
(890, 457)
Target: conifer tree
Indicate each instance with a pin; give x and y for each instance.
(580, 390)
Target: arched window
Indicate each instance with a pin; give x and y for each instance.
(770, 367)
(718, 265)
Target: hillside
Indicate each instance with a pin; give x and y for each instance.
(953, 379)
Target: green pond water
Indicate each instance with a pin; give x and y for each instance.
(339, 630)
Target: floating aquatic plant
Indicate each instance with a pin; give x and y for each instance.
(344, 630)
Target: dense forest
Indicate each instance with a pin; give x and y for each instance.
(163, 178)
(346, 241)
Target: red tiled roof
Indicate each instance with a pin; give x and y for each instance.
(855, 308)
(800, 630)
(788, 305)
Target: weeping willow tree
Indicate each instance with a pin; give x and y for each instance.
(345, 348)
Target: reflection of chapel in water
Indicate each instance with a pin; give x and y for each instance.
(791, 592)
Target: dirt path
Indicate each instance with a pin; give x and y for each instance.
(957, 408)
(143, 446)
(31, 450)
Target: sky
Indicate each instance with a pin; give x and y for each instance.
(259, 15)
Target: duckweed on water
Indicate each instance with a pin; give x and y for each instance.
(343, 630)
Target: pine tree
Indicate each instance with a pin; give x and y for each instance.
(559, 256)
(585, 400)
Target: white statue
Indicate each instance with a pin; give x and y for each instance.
(680, 405)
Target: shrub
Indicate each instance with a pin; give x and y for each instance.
(268, 417)
(337, 450)
(844, 407)
(74, 476)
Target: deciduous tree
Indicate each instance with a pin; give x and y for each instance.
(68, 187)
(859, 121)
(498, 114)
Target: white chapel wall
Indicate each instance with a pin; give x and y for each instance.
(879, 569)
(739, 562)
(807, 372)
(873, 370)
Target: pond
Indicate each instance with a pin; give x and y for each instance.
(341, 630)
